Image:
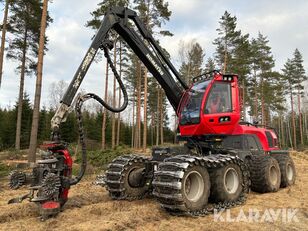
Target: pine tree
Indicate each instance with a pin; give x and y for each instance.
(25, 120)
(210, 65)
(94, 23)
(288, 71)
(227, 41)
(265, 84)
(299, 77)
(24, 24)
(192, 56)
(4, 28)
(36, 110)
(153, 13)
(240, 65)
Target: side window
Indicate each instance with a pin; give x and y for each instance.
(269, 139)
(219, 99)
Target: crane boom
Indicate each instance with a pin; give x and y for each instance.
(156, 61)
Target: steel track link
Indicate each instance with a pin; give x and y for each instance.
(167, 182)
(115, 176)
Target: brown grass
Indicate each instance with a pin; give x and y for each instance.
(90, 208)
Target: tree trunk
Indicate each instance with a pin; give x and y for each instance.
(113, 139)
(138, 122)
(262, 103)
(105, 110)
(256, 96)
(145, 123)
(21, 92)
(225, 58)
(282, 132)
(293, 120)
(119, 102)
(157, 117)
(38, 89)
(306, 126)
(300, 118)
(133, 123)
(289, 132)
(6, 10)
(161, 118)
(152, 128)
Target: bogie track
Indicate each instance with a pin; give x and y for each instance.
(168, 183)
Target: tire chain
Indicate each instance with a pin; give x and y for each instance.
(171, 172)
(115, 174)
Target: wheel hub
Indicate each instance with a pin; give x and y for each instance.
(193, 186)
(135, 177)
(231, 180)
(290, 172)
(273, 175)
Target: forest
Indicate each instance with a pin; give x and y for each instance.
(275, 98)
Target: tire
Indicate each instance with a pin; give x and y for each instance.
(195, 188)
(264, 173)
(134, 184)
(287, 169)
(227, 183)
(124, 178)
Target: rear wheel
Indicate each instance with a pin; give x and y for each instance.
(134, 184)
(226, 183)
(195, 188)
(125, 177)
(264, 173)
(287, 169)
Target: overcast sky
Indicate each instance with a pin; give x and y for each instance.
(285, 23)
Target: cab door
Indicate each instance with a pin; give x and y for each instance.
(220, 111)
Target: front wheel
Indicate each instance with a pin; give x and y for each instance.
(287, 169)
(264, 173)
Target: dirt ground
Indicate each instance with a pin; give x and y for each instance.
(90, 208)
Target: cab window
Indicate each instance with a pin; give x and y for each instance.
(219, 99)
(269, 139)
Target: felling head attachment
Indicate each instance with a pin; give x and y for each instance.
(49, 180)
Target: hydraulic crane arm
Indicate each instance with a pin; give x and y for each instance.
(117, 19)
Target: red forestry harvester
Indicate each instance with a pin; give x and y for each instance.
(222, 156)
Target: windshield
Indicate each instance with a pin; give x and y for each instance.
(191, 111)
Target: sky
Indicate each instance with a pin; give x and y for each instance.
(285, 23)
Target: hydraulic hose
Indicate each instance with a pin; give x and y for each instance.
(79, 103)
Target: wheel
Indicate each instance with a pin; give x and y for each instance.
(134, 184)
(264, 173)
(287, 169)
(195, 188)
(125, 177)
(227, 183)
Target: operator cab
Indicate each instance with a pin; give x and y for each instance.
(210, 106)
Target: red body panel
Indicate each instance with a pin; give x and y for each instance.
(226, 123)
(260, 132)
(68, 173)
